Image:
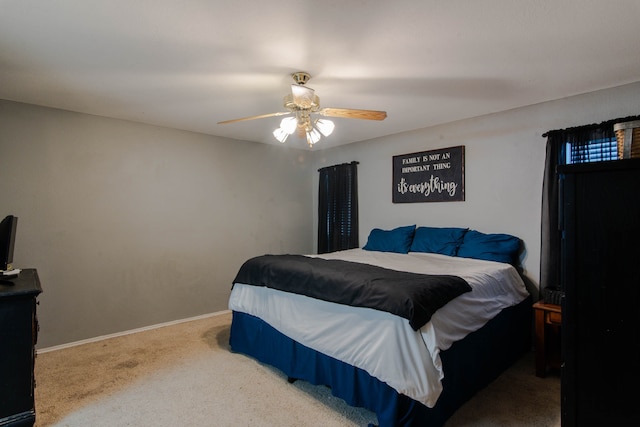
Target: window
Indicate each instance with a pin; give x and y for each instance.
(582, 144)
(338, 208)
(592, 150)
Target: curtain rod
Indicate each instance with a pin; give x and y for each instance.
(593, 125)
(341, 164)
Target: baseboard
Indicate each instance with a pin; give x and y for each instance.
(129, 332)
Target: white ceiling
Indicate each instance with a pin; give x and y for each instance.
(188, 64)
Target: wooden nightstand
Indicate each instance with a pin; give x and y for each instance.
(548, 318)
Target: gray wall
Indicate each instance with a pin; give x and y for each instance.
(132, 225)
(504, 164)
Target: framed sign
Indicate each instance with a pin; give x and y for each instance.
(429, 176)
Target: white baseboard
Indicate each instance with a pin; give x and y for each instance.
(129, 332)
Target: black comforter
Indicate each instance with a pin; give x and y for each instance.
(410, 295)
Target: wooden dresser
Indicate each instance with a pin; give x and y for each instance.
(18, 335)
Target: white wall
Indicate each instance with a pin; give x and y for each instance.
(132, 225)
(504, 164)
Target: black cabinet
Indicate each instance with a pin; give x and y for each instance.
(18, 334)
(600, 269)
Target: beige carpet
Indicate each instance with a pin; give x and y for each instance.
(185, 375)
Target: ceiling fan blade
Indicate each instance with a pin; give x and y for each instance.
(353, 114)
(281, 113)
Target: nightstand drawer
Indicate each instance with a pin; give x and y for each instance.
(554, 318)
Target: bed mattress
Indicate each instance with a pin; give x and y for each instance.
(382, 344)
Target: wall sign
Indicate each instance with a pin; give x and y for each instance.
(429, 176)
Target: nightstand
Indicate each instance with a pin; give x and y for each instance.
(548, 318)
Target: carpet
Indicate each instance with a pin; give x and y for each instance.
(185, 374)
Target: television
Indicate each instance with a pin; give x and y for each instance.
(7, 241)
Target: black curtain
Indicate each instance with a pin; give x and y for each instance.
(579, 137)
(550, 244)
(338, 208)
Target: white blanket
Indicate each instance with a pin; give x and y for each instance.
(382, 344)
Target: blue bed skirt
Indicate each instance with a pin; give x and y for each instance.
(469, 365)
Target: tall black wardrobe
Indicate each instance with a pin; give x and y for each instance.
(600, 271)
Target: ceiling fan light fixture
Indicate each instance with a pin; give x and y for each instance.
(280, 134)
(325, 126)
(289, 125)
(304, 97)
(302, 102)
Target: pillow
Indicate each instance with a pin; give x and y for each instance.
(396, 240)
(443, 240)
(490, 247)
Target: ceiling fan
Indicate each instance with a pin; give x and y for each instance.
(301, 103)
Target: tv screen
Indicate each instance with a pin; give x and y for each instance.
(7, 241)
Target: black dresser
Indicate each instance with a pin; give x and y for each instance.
(18, 334)
(600, 270)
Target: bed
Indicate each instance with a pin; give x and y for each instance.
(409, 364)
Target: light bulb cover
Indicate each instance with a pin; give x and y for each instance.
(313, 136)
(280, 134)
(325, 126)
(289, 124)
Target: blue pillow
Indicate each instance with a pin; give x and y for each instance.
(490, 247)
(396, 240)
(438, 240)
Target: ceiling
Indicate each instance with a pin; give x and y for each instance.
(189, 64)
